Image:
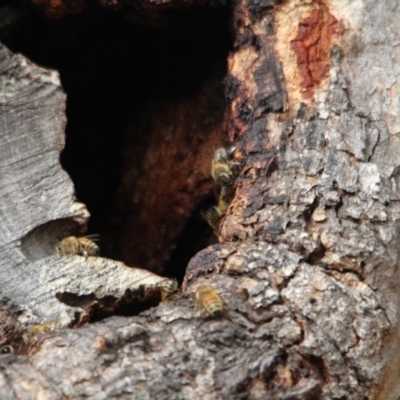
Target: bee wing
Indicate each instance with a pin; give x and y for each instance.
(94, 237)
(230, 150)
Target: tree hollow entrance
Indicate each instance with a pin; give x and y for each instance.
(145, 109)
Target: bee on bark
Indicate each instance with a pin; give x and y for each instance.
(168, 288)
(7, 349)
(224, 200)
(208, 303)
(38, 329)
(221, 169)
(211, 215)
(83, 246)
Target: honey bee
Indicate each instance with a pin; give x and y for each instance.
(222, 174)
(224, 200)
(83, 246)
(208, 302)
(211, 215)
(168, 288)
(221, 170)
(38, 329)
(7, 349)
(224, 153)
(214, 214)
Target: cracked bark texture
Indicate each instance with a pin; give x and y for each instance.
(307, 264)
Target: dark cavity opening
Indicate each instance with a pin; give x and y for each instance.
(146, 109)
(132, 303)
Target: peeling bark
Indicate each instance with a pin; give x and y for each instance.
(308, 262)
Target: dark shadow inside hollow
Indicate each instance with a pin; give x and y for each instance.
(132, 303)
(195, 227)
(146, 108)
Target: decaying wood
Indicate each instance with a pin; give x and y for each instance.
(61, 288)
(166, 175)
(308, 262)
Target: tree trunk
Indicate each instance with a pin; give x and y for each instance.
(307, 259)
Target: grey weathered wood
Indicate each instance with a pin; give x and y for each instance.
(49, 280)
(38, 205)
(308, 267)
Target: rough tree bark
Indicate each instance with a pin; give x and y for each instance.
(307, 263)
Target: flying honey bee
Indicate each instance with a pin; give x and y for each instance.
(38, 329)
(221, 169)
(83, 246)
(7, 349)
(168, 288)
(208, 303)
